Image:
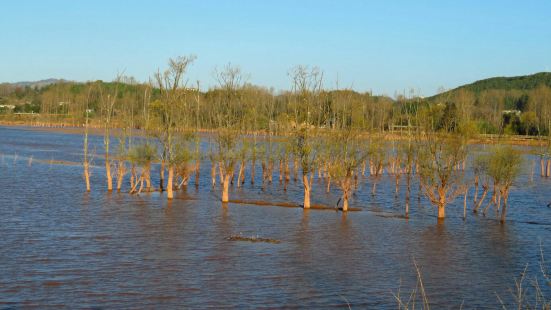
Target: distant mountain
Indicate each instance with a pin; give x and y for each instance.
(37, 84)
(523, 82)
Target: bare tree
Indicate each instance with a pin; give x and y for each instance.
(141, 156)
(172, 89)
(86, 159)
(439, 176)
(307, 85)
(108, 99)
(228, 142)
(377, 151)
(504, 167)
(347, 155)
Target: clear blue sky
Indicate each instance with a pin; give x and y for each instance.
(383, 46)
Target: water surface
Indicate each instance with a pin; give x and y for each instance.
(63, 247)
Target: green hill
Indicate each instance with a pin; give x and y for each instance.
(522, 83)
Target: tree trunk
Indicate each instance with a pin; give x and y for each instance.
(328, 184)
(504, 209)
(240, 176)
(264, 173)
(441, 210)
(108, 174)
(542, 166)
(226, 187)
(87, 175)
(169, 187)
(371, 168)
(132, 175)
(408, 192)
(120, 175)
(270, 170)
(548, 173)
(162, 177)
(397, 189)
(197, 172)
(441, 204)
(475, 189)
(479, 204)
(345, 193)
(147, 177)
(498, 208)
(141, 185)
(135, 184)
(345, 200)
(281, 173)
(287, 171)
(243, 173)
(492, 201)
(306, 184)
(221, 173)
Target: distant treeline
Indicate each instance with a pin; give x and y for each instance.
(517, 105)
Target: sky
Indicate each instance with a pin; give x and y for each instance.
(386, 47)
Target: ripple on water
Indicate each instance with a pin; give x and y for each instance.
(61, 247)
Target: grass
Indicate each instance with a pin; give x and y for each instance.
(527, 291)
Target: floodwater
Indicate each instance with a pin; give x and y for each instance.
(63, 247)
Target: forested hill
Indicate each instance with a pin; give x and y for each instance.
(515, 105)
(521, 83)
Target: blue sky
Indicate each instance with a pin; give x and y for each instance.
(383, 46)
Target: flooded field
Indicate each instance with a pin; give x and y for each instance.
(63, 247)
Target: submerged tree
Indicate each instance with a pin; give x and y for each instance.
(305, 152)
(441, 180)
(307, 85)
(504, 167)
(228, 136)
(172, 92)
(184, 153)
(480, 171)
(377, 152)
(228, 154)
(347, 156)
(108, 99)
(141, 157)
(122, 154)
(86, 156)
(408, 151)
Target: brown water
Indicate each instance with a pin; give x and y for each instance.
(62, 247)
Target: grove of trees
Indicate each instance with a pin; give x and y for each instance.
(339, 137)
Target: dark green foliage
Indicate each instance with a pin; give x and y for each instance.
(449, 120)
(27, 108)
(524, 82)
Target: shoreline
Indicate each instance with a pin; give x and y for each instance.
(67, 128)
